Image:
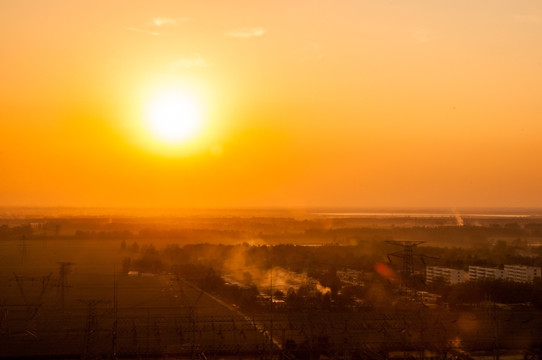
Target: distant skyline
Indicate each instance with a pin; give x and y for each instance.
(299, 104)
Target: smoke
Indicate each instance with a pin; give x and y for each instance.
(284, 279)
(458, 218)
(240, 268)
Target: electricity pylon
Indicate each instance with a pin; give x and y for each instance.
(407, 254)
(63, 271)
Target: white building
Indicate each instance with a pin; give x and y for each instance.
(520, 273)
(452, 276)
(517, 273)
(485, 273)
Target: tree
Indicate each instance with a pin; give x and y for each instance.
(126, 262)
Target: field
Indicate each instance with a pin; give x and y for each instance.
(104, 313)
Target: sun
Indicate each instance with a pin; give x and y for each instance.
(173, 116)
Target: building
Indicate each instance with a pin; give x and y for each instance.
(517, 273)
(520, 273)
(351, 277)
(452, 276)
(485, 273)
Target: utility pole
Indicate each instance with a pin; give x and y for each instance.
(89, 346)
(271, 276)
(63, 271)
(114, 330)
(23, 248)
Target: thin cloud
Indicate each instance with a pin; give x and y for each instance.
(143, 31)
(156, 23)
(166, 21)
(246, 33)
(191, 62)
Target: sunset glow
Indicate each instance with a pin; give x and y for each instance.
(173, 116)
(278, 179)
(349, 103)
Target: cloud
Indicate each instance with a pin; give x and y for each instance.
(527, 19)
(190, 62)
(246, 33)
(156, 23)
(148, 32)
(165, 21)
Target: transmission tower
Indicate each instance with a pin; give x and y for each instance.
(114, 330)
(89, 345)
(32, 302)
(23, 248)
(64, 268)
(407, 254)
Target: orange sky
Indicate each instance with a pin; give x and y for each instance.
(306, 103)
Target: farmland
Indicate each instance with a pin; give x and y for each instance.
(104, 313)
(135, 288)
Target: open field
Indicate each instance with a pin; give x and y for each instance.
(151, 315)
(70, 296)
(105, 313)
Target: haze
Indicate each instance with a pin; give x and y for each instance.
(307, 103)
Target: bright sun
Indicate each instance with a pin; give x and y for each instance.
(173, 116)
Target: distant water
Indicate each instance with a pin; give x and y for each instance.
(40, 212)
(426, 214)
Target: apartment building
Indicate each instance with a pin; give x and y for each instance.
(452, 276)
(517, 273)
(520, 273)
(485, 273)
